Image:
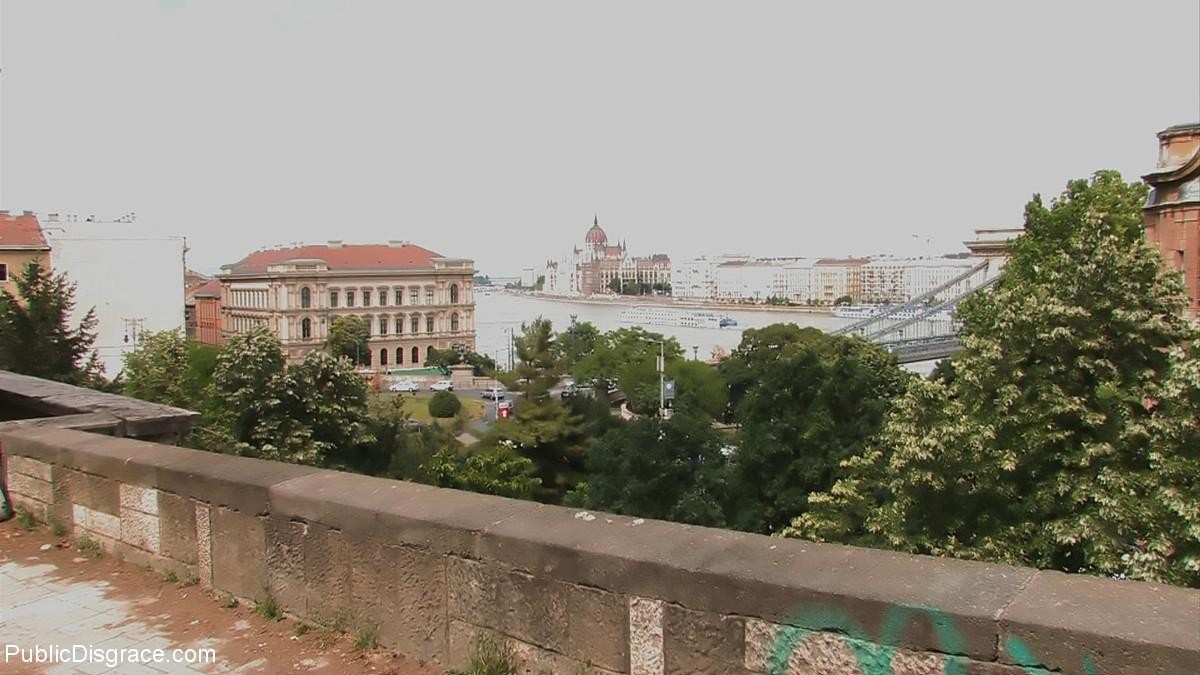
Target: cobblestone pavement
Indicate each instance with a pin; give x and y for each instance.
(51, 595)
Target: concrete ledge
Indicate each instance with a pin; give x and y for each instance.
(588, 591)
(125, 416)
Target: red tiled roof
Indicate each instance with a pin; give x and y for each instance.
(843, 261)
(208, 289)
(21, 232)
(345, 257)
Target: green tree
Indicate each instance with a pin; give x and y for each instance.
(301, 414)
(618, 350)
(672, 470)
(348, 337)
(616, 286)
(496, 470)
(155, 370)
(843, 300)
(822, 398)
(576, 343)
(1062, 436)
(757, 353)
(36, 337)
(444, 404)
(444, 358)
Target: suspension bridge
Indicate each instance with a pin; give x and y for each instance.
(924, 328)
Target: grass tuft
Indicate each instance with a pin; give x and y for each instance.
(89, 547)
(367, 637)
(169, 576)
(489, 656)
(57, 528)
(268, 609)
(26, 519)
(301, 629)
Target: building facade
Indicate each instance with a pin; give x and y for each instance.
(591, 270)
(202, 309)
(413, 300)
(1173, 206)
(130, 273)
(21, 240)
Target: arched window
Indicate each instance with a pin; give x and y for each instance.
(428, 323)
(454, 294)
(429, 350)
(416, 356)
(399, 356)
(306, 327)
(454, 322)
(383, 354)
(305, 297)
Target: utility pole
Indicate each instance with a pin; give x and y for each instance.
(573, 357)
(133, 327)
(510, 349)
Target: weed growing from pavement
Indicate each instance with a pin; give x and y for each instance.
(267, 609)
(26, 519)
(301, 629)
(170, 576)
(89, 547)
(489, 656)
(57, 528)
(326, 636)
(367, 637)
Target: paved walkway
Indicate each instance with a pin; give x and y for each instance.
(51, 596)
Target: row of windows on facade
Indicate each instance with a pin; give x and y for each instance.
(383, 356)
(415, 324)
(398, 295)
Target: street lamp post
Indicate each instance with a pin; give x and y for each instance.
(695, 352)
(662, 381)
(573, 317)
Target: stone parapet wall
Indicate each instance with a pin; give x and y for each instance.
(582, 592)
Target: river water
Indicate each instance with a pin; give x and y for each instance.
(496, 313)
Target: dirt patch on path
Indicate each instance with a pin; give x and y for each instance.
(122, 606)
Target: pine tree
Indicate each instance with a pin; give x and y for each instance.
(35, 334)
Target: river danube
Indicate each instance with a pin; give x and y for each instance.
(497, 313)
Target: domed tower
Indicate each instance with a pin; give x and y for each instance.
(595, 240)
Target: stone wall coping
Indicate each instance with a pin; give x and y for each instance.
(788, 581)
(130, 416)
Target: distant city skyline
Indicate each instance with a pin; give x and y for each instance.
(496, 132)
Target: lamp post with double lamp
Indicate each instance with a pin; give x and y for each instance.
(695, 352)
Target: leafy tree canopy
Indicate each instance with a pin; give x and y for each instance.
(348, 337)
(1059, 440)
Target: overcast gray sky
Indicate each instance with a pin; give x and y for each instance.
(494, 130)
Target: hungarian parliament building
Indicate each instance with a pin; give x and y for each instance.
(592, 269)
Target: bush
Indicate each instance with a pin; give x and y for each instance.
(444, 404)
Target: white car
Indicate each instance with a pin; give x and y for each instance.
(404, 386)
(493, 394)
(442, 385)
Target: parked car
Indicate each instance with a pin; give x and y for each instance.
(571, 389)
(442, 385)
(493, 394)
(401, 386)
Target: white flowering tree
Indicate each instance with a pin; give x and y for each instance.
(1064, 435)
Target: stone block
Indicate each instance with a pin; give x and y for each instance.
(177, 528)
(238, 551)
(140, 530)
(326, 574)
(285, 564)
(645, 636)
(137, 498)
(531, 609)
(204, 545)
(771, 648)
(95, 492)
(702, 642)
(21, 485)
(1062, 622)
(402, 590)
(97, 522)
(29, 467)
(598, 627)
(528, 659)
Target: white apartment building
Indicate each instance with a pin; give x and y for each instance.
(696, 279)
(749, 280)
(895, 280)
(129, 272)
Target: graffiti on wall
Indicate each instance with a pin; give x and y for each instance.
(874, 654)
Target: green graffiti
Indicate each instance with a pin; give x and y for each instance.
(1020, 652)
(874, 656)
